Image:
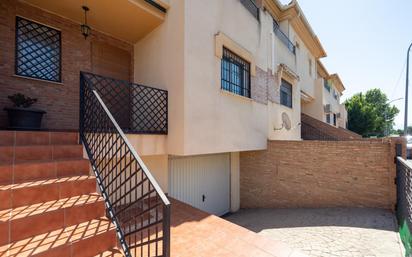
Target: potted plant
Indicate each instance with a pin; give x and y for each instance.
(21, 116)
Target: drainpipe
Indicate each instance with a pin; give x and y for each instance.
(405, 128)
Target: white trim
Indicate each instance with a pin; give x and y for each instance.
(41, 23)
(42, 80)
(226, 92)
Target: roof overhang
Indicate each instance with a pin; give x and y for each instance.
(294, 14)
(337, 82)
(322, 71)
(128, 20)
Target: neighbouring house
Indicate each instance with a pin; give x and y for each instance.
(326, 104)
(165, 94)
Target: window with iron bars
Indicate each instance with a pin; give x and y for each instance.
(38, 51)
(235, 74)
(283, 37)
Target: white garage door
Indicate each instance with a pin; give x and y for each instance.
(201, 181)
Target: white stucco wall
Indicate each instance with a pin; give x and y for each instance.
(158, 166)
(315, 107)
(234, 182)
(159, 62)
(179, 56)
(217, 121)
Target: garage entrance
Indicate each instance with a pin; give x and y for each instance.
(202, 181)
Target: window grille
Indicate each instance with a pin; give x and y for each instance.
(235, 74)
(38, 51)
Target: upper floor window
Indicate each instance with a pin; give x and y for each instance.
(326, 85)
(235, 74)
(252, 7)
(38, 51)
(286, 94)
(310, 67)
(283, 37)
(334, 119)
(335, 94)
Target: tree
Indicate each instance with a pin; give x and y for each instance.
(400, 131)
(369, 114)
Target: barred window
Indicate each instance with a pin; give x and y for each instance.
(235, 74)
(286, 94)
(38, 51)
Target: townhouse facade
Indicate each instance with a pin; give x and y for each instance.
(237, 73)
(210, 79)
(326, 105)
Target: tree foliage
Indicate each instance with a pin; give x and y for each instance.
(370, 114)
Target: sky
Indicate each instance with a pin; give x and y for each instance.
(366, 42)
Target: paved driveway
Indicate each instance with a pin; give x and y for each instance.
(327, 232)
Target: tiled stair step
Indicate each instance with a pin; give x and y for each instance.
(33, 170)
(39, 191)
(11, 138)
(115, 252)
(81, 240)
(16, 154)
(27, 221)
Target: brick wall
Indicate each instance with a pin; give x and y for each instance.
(264, 87)
(294, 174)
(313, 129)
(61, 101)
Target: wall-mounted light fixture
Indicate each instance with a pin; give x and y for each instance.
(85, 29)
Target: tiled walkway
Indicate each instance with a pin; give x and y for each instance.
(327, 232)
(196, 233)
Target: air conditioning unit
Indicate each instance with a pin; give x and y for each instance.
(327, 108)
(338, 115)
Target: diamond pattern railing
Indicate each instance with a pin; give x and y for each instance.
(38, 51)
(135, 203)
(136, 108)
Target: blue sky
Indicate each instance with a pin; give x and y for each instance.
(366, 42)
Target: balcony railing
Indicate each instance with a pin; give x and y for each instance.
(252, 7)
(283, 37)
(138, 109)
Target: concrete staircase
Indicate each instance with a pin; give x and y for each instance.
(48, 200)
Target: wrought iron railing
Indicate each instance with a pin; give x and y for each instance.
(283, 37)
(136, 108)
(404, 202)
(134, 201)
(252, 7)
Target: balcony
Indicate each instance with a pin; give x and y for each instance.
(138, 109)
(283, 37)
(252, 7)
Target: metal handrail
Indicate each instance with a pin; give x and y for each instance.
(283, 37)
(121, 176)
(137, 108)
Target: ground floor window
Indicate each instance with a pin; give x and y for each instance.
(235, 74)
(328, 118)
(38, 51)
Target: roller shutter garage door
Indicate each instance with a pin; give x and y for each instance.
(201, 181)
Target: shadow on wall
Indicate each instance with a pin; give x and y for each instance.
(261, 219)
